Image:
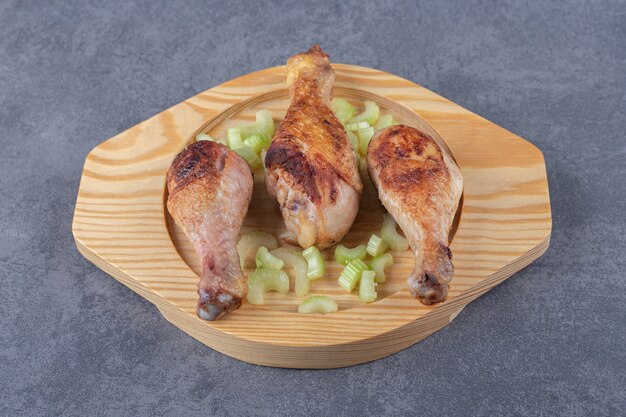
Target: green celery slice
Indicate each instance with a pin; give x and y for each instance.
(206, 136)
(365, 135)
(353, 127)
(351, 274)
(251, 157)
(264, 280)
(354, 141)
(342, 109)
(264, 125)
(385, 121)
(367, 288)
(256, 293)
(270, 280)
(369, 115)
(318, 304)
(343, 255)
(376, 245)
(294, 258)
(390, 235)
(258, 142)
(251, 242)
(203, 136)
(315, 261)
(379, 264)
(264, 259)
(233, 138)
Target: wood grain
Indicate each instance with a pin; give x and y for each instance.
(121, 224)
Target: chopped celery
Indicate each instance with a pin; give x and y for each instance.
(367, 288)
(385, 121)
(265, 122)
(256, 164)
(255, 293)
(251, 242)
(351, 274)
(205, 136)
(295, 259)
(264, 259)
(251, 157)
(365, 135)
(354, 141)
(376, 245)
(258, 142)
(344, 255)
(342, 109)
(318, 304)
(264, 280)
(264, 125)
(316, 267)
(379, 264)
(390, 235)
(369, 115)
(356, 126)
(270, 280)
(233, 138)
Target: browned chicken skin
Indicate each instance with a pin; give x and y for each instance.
(210, 188)
(420, 185)
(311, 168)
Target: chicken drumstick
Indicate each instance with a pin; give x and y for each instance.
(310, 166)
(210, 188)
(420, 185)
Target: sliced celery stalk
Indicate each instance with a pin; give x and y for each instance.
(379, 264)
(251, 242)
(344, 255)
(367, 288)
(385, 121)
(365, 135)
(256, 293)
(316, 266)
(342, 109)
(318, 304)
(264, 125)
(251, 157)
(205, 136)
(264, 280)
(351, 274)
(354, 141)
(233, 138)
(294, 259)
(369, 115)
(270, 280)
(258, 142)
(390, 235)
(376, 245)
(353, 127)
(264, 259)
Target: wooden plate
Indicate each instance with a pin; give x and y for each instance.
(121, 223)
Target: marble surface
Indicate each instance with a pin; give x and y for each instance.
(549, 341)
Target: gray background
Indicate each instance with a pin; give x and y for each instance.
(549, 341)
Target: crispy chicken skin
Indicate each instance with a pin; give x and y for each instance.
(210, 188)
(310, 166)
(420, 185)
